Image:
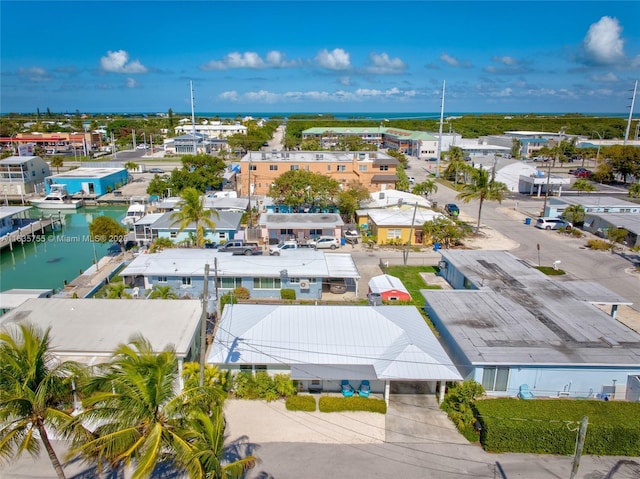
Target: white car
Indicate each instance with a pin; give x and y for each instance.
(324, 242)
(552, 224)
(412, 180)
(275, 250)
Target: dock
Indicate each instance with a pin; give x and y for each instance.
(30, 230)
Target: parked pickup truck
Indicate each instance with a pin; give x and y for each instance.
(240, 247)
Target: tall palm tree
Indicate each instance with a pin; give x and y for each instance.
(574, 214)
(57, 162)
(163, 292)
(482, 188)
(583, 185)
(141, 417)
(205, 433)
(35, 393)
(427, 187)
(191, 210)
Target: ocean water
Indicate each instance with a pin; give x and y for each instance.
(50, 260)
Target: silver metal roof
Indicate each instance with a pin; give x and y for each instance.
(225, 220)
(400, 217)
(386, 282)
(300, 220)
(394, 341)
(302, 263)
(8, 211)
(95, 327)
(593, 201)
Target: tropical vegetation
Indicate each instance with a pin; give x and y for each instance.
(189, 210)
(482, 187)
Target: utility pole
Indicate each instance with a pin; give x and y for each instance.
(203, 323)
(215, 282)
(579, 445)
(193, 121)
(546, 190)
(413, 220)
(440, 133)
(633, 101)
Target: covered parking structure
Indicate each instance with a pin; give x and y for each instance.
(320, 346)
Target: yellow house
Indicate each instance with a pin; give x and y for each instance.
(394, 225)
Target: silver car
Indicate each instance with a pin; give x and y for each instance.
(325, 242)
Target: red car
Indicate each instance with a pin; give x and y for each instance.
(583, 174)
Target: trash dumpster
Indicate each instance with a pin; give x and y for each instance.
(527, 221)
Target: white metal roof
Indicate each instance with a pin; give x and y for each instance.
(300, 220)
(382, 199)
(303, 262)
(8, 211)
(95, 327)
(400, 217)
(394, 340)
(386, 282)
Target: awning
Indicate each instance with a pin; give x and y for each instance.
(333, 371)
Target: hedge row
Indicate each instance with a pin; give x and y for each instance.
(354, 403)
(301, 403)
(550, 426)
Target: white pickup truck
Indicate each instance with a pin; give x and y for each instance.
(276, 249)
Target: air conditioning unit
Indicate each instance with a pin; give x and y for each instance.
(304, 284)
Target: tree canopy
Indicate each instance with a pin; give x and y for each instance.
(302, 188)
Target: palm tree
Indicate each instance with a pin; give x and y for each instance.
(191, 210)
(574, 214)
(57, 162)
(117, 291)
(482, 188)
(163, 292)
(456, 163)
(35, 392)
(141, 417)
(426, 187)
(205, 433)
(583, 185)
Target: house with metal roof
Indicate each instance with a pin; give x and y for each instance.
(399, 224)
(227, 224)
(20, 175)
(89, 330)
(592, 204)
(509, 326)
(92, 181)
(601, 223)
(306, 271)
(322, 345)
(299, 226)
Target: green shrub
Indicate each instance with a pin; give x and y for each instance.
(287, 294)
(550, 426)
(241, 293)
(550, 270)
(227, 298)
(284, 385)
(262, 386)
(354, 403)
(459, 405)
(598, 244)
(265, 386)
(301, 403)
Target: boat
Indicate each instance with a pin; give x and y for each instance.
(134, 213)
(57, 199)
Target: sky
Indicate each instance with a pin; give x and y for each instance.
(319, 56)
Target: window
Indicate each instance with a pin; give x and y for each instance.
(186, 281)
(260, 367)
(341, 168)
(162, 279)
(495, 379)
(328, 167)
(286, 232)
(246, 368)
(273, 167)
(384, 167)
(315, 232)
(294, 167)
(222, 235)
(394, 233)
(266, 283)
(253, 167)
(362, 167)
(173, 234)
(229, 283)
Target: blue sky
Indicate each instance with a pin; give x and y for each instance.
(319, 56)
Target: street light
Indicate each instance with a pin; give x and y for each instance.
(598, 152)
(546, 190)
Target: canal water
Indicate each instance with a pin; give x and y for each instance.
(46, 262)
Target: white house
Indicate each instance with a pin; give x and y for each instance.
(20, 175)
(322, 345)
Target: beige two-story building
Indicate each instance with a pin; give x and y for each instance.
(375, 170)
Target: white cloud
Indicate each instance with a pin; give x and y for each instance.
(362, 94)
(132, 83)
(453, 61)
(383, 65)
(506, 60)
(118, 62)
(503, 93)
(346, 81)
(603, 44)
(250, 60)
(608, 77)
(337, 59)
(34, 74)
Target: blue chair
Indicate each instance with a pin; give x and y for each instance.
(524, 392)
(347, 389)
(365, 389)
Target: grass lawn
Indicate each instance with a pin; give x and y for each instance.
(550, 270)
(410, 277)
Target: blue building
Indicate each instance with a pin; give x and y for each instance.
(512, 328)
(227, 224)
(306, 271)
(90, 181)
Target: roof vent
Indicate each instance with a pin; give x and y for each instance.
(612, 343)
